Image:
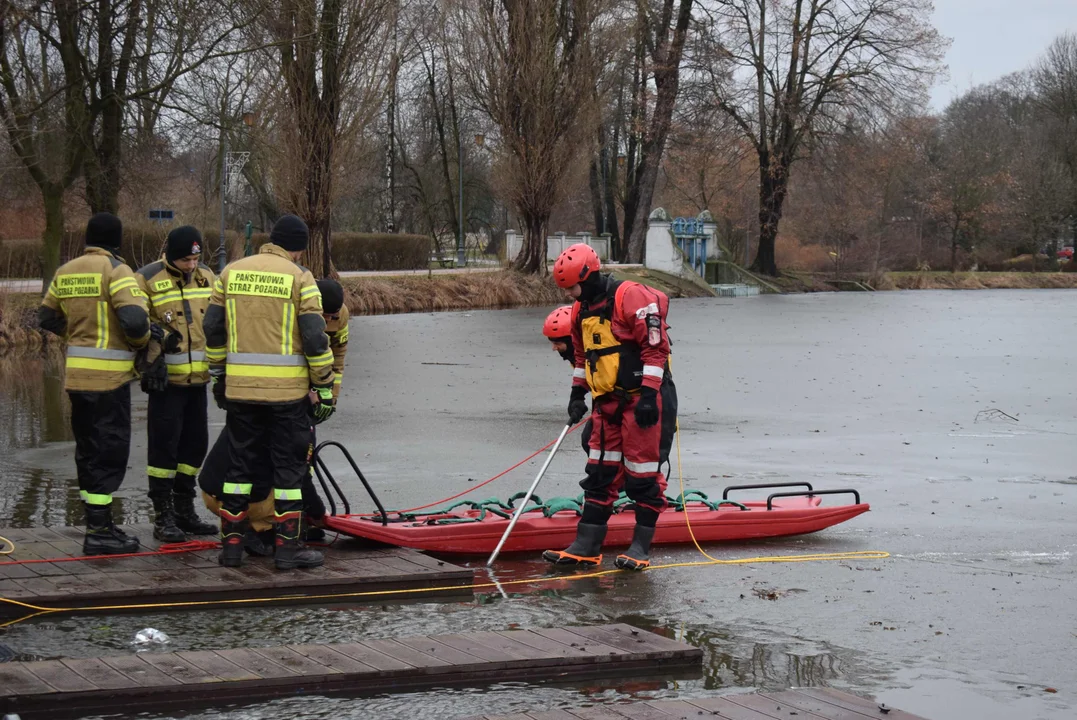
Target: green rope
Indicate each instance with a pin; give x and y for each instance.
(554, 505)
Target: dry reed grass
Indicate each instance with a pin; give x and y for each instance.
(417, 293)
(976, 281)
(18, 324)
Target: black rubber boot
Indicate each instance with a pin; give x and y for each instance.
(233, 530)
(187, 518)
(258, 543)
(291, 552)
(164, 524)
(586, 549)
(638, 554)
(312, 529)
(104, 538)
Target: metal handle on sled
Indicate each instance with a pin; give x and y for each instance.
(763, 486)
(527, 497)
(321, 470)
(770, 498)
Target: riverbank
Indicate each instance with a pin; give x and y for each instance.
(384, 294)
(800, 282)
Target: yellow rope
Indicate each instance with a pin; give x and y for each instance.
(11, 546)
(38, 610)
(814, 557)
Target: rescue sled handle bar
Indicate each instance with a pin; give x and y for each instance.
(527, 497)
(770, 498)
(320, 468)
(764, 486)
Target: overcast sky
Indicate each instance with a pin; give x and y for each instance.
(992, 38)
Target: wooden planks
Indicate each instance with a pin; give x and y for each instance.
(195, 577)
(800, 704)
(162, 681)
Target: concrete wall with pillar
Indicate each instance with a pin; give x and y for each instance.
(558, 242)
(665, 255)
(660, 251)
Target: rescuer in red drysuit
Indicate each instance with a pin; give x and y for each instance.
(622, 357)
(557, 329)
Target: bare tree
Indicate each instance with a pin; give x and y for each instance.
(44, 104)
(971, 169)
(529, 65)
(136, 52)
(662, 32)
(1055, 78)
(795, 68)
(332, 57)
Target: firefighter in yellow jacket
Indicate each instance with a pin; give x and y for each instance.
(267, 349)
(94, 303)
(179, 288)
(260, 538)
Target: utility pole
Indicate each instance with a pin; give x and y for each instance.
(222, 254)
(460, 259)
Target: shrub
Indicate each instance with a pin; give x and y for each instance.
(20, 258)
(1022, 263)
(143, 245)
(370, 251)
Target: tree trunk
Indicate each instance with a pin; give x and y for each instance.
(643, 192)
(319, 200)
(103, 168)
(598, 205)
(953, 247)
(609, 165)
(532, 257)
(773, 183)
(53, 236)
(667, 68)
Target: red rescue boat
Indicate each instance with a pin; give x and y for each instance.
(475, 531)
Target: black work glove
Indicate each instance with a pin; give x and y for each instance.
(172, 342)
(154, 373)
(577, 406)
(218, 392)
(155, 376)
(647, 407)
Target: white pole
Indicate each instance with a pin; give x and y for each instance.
(527, 497)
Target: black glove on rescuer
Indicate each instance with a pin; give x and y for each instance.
(647, 408)
(577, 406)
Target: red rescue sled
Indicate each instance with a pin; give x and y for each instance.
(472, 531)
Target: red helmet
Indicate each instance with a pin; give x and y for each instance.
(575, 265)
(558, 323)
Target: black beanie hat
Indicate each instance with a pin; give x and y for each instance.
(332, 295)
(105, 231)
(182, 242)
(290, 233)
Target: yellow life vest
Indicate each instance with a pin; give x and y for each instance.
(611, 365)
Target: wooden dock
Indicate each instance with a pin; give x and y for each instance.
(801, 704)
(169, 681)
(196, 576)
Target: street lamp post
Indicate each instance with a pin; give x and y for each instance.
(461, 260)
(222, 254)
(248, 119)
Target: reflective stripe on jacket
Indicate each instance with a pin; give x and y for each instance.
(337, 330)
(178, 303)
(95, 303)
(265, 331)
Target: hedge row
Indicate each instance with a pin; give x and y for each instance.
(371, 251)
(351, 251)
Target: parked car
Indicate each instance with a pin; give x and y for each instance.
(1065, 253)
